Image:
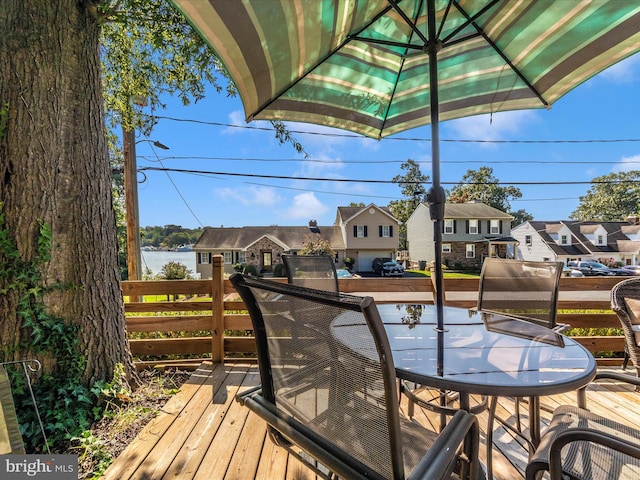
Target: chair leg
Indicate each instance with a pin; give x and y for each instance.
(493, 403)
(517, 408)
(625, 361)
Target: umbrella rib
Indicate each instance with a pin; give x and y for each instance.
(408, 21)
(348, 38)
(412, 24)
(516, 70)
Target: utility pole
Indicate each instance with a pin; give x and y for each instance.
(134, 261)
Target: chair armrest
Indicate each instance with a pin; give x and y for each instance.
(293, 431)
(441, 458)
(585, 435)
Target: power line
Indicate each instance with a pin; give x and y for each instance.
(411, 139)
(184, 200)
(324, 161)
(346, 180)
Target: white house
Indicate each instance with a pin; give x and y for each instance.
(566, 240)
(471, 232)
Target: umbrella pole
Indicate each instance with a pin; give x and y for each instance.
(436, 195)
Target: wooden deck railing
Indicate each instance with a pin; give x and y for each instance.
(206, 319)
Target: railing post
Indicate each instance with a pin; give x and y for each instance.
(217, 308)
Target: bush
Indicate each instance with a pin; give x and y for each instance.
(250, 269)
(279, 270)
(238, 267)
(348, 261)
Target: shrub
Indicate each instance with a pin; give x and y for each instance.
(238, 267)
(279, 270)
(250, 269)
(348, 261)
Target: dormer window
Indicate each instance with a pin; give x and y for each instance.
(564, 240)
(600, 240)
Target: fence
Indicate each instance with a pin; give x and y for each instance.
(205, 318)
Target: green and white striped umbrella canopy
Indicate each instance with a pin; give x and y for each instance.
(363, 65)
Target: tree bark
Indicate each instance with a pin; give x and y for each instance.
(54, 168)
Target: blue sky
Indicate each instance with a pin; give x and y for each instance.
(604, 108)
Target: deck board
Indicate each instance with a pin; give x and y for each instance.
(203, 433)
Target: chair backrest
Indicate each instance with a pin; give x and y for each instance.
(312, 271)
(626, 289)
(625, 302)
(524, 289)
(345, 395)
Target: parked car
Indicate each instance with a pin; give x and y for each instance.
(344, 273)
(387, 267)
(634, 269)
(571, 272)
(596, 269)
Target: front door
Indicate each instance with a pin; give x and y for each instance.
(266, 261)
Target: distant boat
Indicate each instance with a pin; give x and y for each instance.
(184, 248)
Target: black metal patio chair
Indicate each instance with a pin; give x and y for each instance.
(337, 404)
(524, 289)
(581, 445)
(527, 290)
(313, 271)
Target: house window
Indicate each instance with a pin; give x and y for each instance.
(446, 248)
(473, 227)
(227, 257)
(385, 231)
(360, 231)
(600, 240)
(563, 240)
(494, 227)
(528, 240)
(242, 257)
(449, 226)
(471, 250)
(204, 257)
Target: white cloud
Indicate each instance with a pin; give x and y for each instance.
(250, 195)
(627, 164)
(624, 71)
(239, 125)
(304, 206)
(491, 127)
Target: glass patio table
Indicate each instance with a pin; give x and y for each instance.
(483, 353)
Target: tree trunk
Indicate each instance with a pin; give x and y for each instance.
(54, 168)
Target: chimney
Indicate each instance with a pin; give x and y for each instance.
(632, 219)
(313, 226)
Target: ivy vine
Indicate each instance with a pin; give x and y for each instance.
(66, 406)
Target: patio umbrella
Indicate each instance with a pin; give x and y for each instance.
(379, 67)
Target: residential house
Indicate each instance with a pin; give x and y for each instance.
(368, 232)
(565, 240)
(471, 232)
(361, 233)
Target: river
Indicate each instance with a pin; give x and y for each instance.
(157, 259)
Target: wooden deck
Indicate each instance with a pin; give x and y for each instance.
(197, 438)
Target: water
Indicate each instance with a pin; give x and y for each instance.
(156, 260)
